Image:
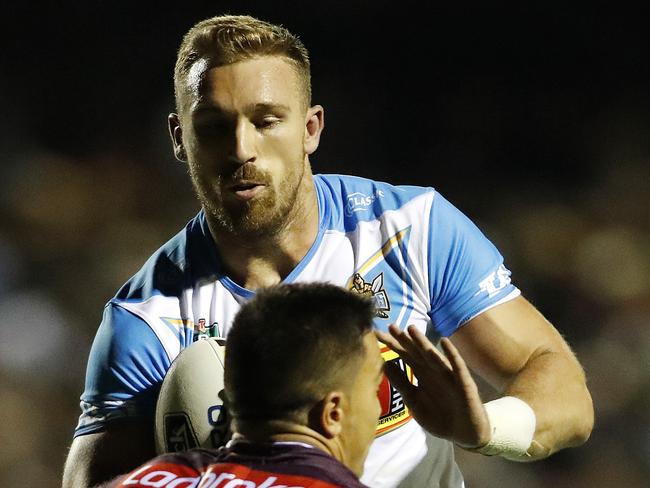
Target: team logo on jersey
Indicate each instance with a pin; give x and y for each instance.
(385, 272)
(394, 411)
(374, 290)
(201, 329)
(204, 331)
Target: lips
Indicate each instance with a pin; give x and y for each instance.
(246, 189)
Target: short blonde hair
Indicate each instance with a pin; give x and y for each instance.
(227, 39)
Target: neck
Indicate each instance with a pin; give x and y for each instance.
(285, 431)
(258, 261)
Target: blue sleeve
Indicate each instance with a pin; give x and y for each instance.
(125, 369)
(466, 272)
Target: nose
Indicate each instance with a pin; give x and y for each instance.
(243, 150)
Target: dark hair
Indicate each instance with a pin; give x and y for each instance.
(227, 39)
(290, 345)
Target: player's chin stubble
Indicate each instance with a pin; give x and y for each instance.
(263, 216)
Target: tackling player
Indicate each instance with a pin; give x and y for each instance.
(245, 125)
(301, 415)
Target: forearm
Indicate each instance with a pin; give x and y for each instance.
(553, 384)
(520, 354)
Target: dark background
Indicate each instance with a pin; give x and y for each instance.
(533, 120)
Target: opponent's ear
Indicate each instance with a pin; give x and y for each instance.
(176, 133)
(328, 415)
(314, 125)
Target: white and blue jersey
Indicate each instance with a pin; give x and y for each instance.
(416, 255)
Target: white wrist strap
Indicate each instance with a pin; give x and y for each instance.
(512, 422)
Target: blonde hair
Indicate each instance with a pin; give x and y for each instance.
(227, 39)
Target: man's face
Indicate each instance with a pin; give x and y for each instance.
(243, 130)
(364, 406)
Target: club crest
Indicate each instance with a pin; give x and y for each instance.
(374, 290)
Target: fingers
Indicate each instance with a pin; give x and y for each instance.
(398, 341)
(456, 361)
(416, 349)
(426, 349)
(389, 340)
(419, 351)
(399, 380)
(446, 398)
(428, 364)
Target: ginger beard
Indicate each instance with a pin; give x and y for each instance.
(265, 214)
(244, 140)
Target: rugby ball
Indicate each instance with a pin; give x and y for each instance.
(190, 411)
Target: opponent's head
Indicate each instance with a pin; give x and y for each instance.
(244, 121)
(302, 358)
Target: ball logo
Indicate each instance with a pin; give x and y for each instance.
(216, 415)
(219, 419)
(179, 435)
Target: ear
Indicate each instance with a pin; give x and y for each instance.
(176, 133)
(329, 414)
(314, 125)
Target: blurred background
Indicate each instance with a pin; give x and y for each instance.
(533, 121)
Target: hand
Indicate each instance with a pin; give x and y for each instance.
(446, 401)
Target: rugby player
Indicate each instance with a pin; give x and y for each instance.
(301, 415)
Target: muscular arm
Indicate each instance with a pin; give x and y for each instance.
(98, 457)
(517, 351)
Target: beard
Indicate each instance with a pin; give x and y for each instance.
(264, 215)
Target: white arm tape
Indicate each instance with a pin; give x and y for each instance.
(512, 422)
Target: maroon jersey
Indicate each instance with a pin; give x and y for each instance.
(243, 465)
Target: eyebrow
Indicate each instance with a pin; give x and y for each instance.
(265, 106)
(202, 109)
(252, 108)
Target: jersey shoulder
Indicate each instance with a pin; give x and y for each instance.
(346, 201)
(184, 259)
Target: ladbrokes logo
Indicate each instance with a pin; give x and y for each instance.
(168, 475)
(394, 412)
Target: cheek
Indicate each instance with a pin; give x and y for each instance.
(287, 145)
(371, 413)
(373, 409)
(378, 406)
(202, 175)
